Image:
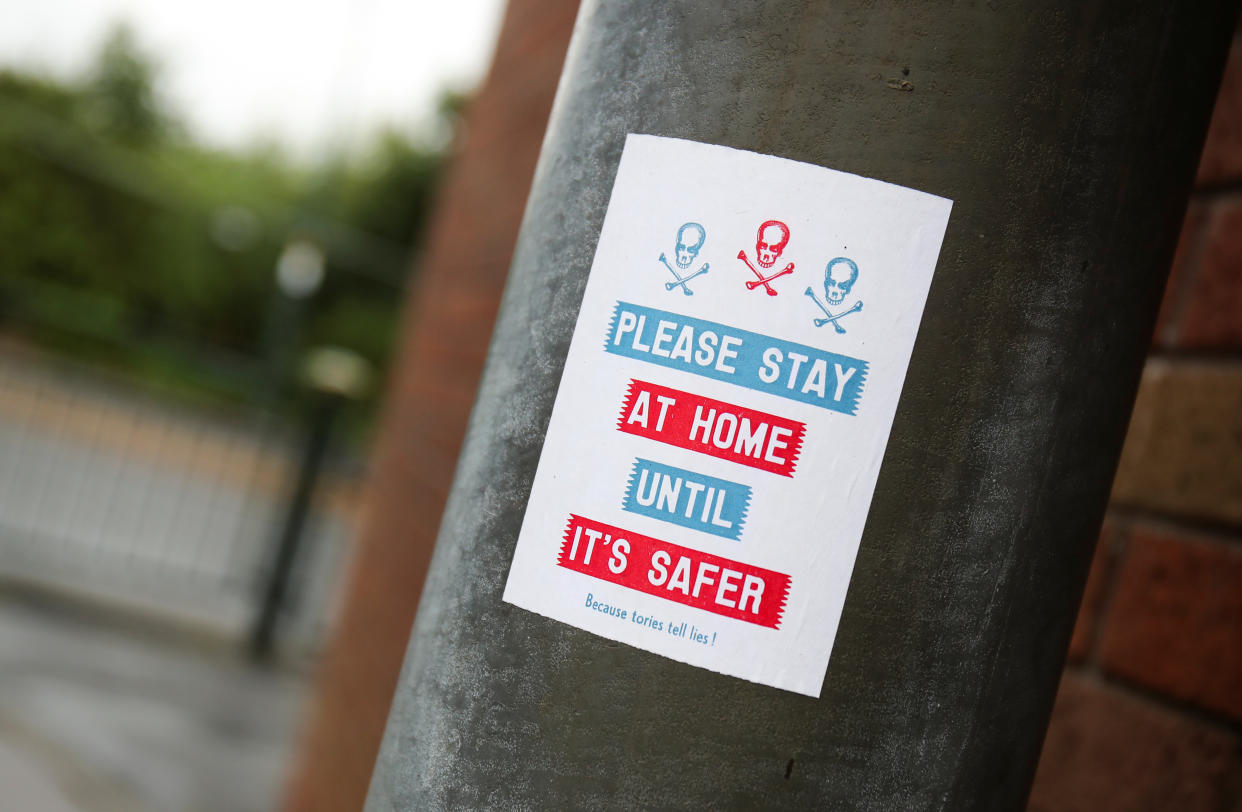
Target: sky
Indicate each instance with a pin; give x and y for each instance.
(308, 74)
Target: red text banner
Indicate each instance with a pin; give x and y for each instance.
(735, 433)
(680, 574)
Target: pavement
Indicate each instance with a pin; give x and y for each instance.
(103, 712)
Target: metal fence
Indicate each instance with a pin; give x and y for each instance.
(121, 494)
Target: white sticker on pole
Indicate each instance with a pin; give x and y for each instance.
(725, 406)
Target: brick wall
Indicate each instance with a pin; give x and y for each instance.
(1149, 716)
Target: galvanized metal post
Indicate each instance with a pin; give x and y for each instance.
(1067, 132)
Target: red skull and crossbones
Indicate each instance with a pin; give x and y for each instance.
(770, 242)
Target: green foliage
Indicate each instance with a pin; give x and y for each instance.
(127, 242)
(377, 197)
(121, 91)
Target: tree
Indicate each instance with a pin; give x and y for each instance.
(122, 91)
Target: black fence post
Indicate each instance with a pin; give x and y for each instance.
(326, 407)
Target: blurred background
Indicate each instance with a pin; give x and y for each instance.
(250, 255)
(209, 217)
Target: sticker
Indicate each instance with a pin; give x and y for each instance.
(725, 407)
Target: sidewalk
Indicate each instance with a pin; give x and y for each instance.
(97, 713)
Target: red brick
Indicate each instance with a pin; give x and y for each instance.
(1093, 595)
(1181, 273)
(1107, 750)
(1183, 453)
(1212, 316)
(1175, 624)
(1222, 154)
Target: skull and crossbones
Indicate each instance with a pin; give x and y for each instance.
(839, 278)
(770, 242)
(690, 239)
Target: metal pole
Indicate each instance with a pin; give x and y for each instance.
(1067, 133)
